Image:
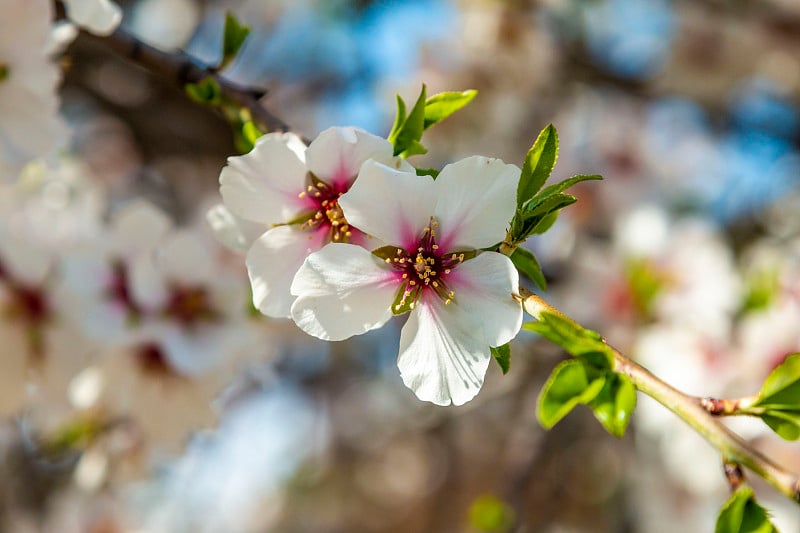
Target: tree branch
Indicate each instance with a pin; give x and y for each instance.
(180, 69)
(733, 448)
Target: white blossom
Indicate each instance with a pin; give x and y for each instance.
(460, 299)
(291, 194)
(98, 16)
(30, 126)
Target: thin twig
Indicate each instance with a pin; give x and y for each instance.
(733, 448)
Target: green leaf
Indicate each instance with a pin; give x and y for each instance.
(399, 120)
(545, 206)
(489, 514)
(251, 132)
(782, 386)
(407, 131)
(742, 514)
(572, 382)
(440, 106)
(539, 163)
(557, 188)
(502, 354)
(576, 340)
(206, 91)
(531, 217)
(545, 223)
(785, 423)
(432, 172)
(526, 263)
(414, 148)
(234, 37)
(614, 405)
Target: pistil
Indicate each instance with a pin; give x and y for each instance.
(326, 214)
(424, 269)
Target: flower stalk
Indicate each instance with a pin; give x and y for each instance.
(692, 410)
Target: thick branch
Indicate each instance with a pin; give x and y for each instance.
(180, 69)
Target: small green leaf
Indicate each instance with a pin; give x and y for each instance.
(557, 188)
(539, 163)
(489, 514)
(502, 354)
(407, 133)
(545, 223)
(432, 172)
(572, 382)
(526, 263)
(742, 514)
(532, 215)
(414, 148)
(545, 206)
(782, 386)
(234, 37)
(399, 120)
(614, 405)
(785, 423)
(251, 132)
(440, 106)
(576, 340)
(206, 91)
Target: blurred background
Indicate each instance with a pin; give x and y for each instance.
(687, 256)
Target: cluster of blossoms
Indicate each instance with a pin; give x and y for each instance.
(352, 236)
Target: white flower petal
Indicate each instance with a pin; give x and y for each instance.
(272, 262)
(390, 204)
(483, 303)
(147, 284)
(337, 154)
(184, 258)
(139, 227)
(477, 199)
(98, 16)
(24, 261)
(342, 290)
(194, 353)
(30, 126)
(263, 185)
(233, 232)
(439, 359)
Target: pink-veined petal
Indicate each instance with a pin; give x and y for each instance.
(342, 290)
(263, 185)
(390, 204)
(476, 200)
(483, 303)
(272, 262)
(440, 360)
(337, 154)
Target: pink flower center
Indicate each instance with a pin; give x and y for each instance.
(28, 305)
(424, 269)
(326, 214)
(190, 306)
(119, 292)
(153, 362)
